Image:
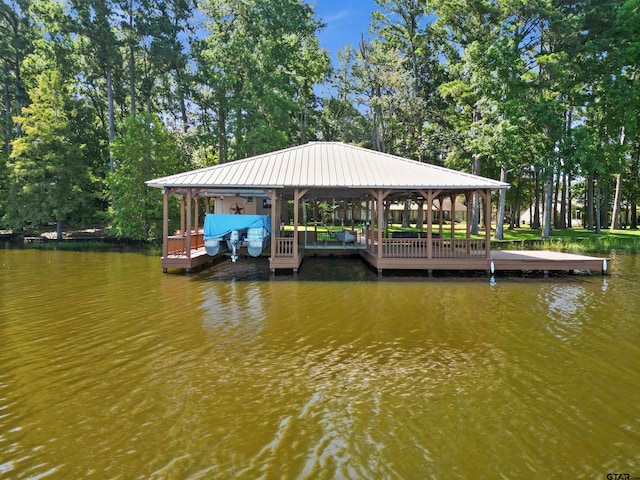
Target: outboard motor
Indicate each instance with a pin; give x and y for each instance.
(233, 242)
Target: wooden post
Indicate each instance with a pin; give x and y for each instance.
(353, 218)
(297, 195)
(430, 224)
(453, 223)
(468, 197)
(441, 214)
(380, 196)
(182, 215)
(188, 229)
(315, 222)
(487, 207)
(296, 205)
(430, 195)
(196, 221)
(380, 204)
(367, 224)
(274, 226)
(165, 224)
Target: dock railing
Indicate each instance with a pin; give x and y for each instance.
(441, 248)
(177, 244)
(284, 247)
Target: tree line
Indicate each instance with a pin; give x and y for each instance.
(100, 95)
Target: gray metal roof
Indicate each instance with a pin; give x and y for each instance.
(326, 165)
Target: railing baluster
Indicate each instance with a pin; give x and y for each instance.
(284, 247)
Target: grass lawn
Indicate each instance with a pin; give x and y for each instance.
(576, 240)
(571, 233)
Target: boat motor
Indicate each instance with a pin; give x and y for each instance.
(233, 242)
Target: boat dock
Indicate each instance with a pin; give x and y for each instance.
(291, 187)
(396, 258)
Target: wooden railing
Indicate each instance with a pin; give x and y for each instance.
(405, 247)
(284, 247)
(177, 244)
(441, 248)
(461, 248)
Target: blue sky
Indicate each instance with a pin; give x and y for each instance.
(346, 21)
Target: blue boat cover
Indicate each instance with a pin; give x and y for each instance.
(217, 225)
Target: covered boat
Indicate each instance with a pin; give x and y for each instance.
(236, 230)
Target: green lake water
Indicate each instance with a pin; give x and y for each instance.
(110, 369)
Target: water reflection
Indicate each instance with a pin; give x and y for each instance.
(233, 311)
(566, 310)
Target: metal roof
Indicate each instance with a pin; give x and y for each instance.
(326, 165)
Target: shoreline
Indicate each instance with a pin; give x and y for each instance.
(571, 240)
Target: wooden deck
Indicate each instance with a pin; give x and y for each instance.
(544, 260)
(496, 261)
(198, 258)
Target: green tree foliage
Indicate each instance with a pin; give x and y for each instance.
(144, 150)
(16, 42)
(544, 92)
(48, 170)
(341, 121)
(405, 30)
(256, 69)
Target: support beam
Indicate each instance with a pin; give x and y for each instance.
(273, 195)
(487, 213)
(380, 202)
(468, 198)
(196, 216)
(165, 223)
(452, 197)
(429, 197)
(188, 229)
(182, 222)
(486, 196)
(434, 193)
(367, 223)
(379, 196)
(297, 196)
(440, 214)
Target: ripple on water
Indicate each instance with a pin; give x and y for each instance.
(109, 369)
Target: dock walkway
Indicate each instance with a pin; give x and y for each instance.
(496, 261)
(543, 260)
